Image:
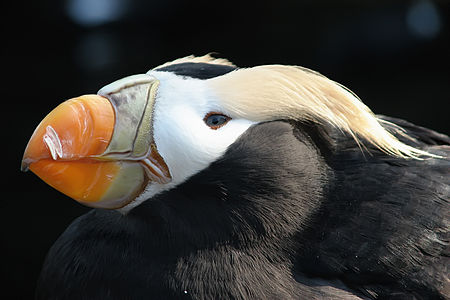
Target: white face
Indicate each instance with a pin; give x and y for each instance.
(185, 142)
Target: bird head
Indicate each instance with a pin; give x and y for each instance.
(147, 133)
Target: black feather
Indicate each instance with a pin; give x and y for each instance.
(291, 211)
(197, 70)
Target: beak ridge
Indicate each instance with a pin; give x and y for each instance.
(132, 98)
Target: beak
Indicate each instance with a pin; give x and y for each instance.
(99, 149)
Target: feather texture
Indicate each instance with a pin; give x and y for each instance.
(271, 92)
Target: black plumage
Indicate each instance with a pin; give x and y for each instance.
(197, 70)
(291, 211)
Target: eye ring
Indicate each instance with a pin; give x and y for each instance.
(215, 120)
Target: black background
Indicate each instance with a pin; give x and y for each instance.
(393, 54)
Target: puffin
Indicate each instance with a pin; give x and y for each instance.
(209, 181)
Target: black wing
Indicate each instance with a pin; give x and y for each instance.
(384, 229)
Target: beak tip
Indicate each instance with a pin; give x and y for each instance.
(24, 166)
(25, 163)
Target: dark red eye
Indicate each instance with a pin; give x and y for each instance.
(216, 120)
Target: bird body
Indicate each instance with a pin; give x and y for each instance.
(283, 208)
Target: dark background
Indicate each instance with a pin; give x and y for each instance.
(393, 54)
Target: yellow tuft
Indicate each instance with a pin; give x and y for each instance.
(272, 92)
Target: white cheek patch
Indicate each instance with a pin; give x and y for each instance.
(182, 138)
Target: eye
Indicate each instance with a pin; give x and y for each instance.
(216, 120)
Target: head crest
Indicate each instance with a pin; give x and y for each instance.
(199, 59)
(272, 92)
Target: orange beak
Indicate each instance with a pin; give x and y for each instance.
(87, 148)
